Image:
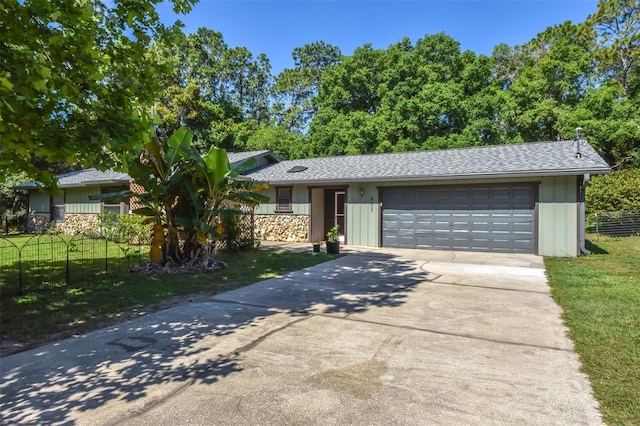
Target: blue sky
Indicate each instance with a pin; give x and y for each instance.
(276, 27)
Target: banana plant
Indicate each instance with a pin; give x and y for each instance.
(185, 195)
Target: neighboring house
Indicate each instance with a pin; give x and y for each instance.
(73, 211)
(522, 198)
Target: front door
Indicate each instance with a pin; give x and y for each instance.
(338, 217)
(330, 205)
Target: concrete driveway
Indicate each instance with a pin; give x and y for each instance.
(375, 337)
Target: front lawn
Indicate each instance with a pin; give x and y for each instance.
(65, 310)
(600, 295)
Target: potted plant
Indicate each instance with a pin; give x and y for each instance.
(333, 243)
(316, 246)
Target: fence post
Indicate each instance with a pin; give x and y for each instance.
(106, 255)
(20, 283)
(67, 275)
(597, 231)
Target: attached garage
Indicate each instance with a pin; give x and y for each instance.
(518, 198)
(497, 218)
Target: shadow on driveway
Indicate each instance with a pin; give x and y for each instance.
(144, 360)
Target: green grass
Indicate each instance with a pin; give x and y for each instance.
(600, 295)
(29, 262)
(79, 308)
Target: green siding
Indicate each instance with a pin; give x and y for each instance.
(39, 202)
(557, 222)
(363, 216)
(558, 216)
(77, 200)
(300, 204)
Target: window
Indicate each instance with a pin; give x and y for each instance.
(57, 208)
(116, 205)
(283, 199)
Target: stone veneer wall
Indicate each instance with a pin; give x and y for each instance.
(282, 227)
(78, 223)
(38, 222)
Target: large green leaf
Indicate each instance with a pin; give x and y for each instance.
(217, 162)
(177, 146)
(112, 196)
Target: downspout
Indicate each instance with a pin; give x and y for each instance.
(582, 214)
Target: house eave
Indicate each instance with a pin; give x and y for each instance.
(413, 178)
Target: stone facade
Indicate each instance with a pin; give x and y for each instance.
(38, 222)
(78, 223)
(282, 227)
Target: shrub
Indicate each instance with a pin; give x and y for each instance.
(617, 191)
(125, 228)
(237, 232)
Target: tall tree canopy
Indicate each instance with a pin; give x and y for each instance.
(296, 88)
(218, 92)
(76, 82)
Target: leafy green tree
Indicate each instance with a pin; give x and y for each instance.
(617, 191)
(286, 145)
(219, 93)
(76, 82)
(296, 88)
(13, 207)
(617, 25)
(408, 97)
(555, 73)
(610, 124)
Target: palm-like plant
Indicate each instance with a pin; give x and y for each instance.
(185, 196)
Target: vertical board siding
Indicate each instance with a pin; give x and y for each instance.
(77, 200)
(558, 216)
(39, 202)
(363, 219)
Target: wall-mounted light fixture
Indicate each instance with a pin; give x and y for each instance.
(361, 192)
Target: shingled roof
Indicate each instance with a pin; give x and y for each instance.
(93, 177)
(515, 160)
(86, 177)
(237, 158)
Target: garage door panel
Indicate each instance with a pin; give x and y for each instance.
(497, 218)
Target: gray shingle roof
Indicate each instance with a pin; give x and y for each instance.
(237, 158)
(93, 177)
(86, 177)
(515, 160)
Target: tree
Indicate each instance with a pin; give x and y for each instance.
(186, 195)
(617, 24)
(296, 88)
(424, 96)
(76, 82)
(286, 145)
(13, 207)
(218, 93)
(556, 71)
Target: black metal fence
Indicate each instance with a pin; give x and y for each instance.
(33, 262)
(617, 224)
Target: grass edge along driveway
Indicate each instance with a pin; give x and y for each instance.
(62, 311)
(600, 297)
